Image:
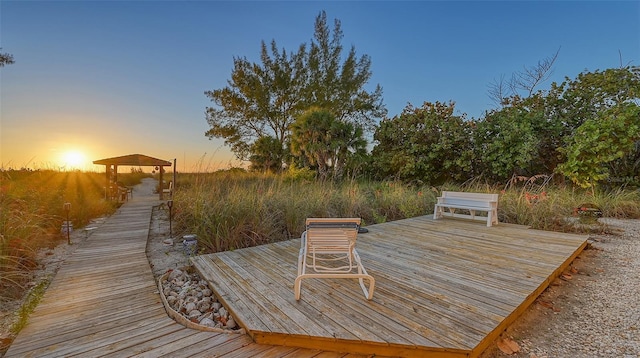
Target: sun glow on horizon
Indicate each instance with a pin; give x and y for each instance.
(73, 159)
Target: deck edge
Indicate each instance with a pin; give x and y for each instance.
(493, 335)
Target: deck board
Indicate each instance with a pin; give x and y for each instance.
(443, 288)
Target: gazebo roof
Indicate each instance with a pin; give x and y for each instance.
(134, 160)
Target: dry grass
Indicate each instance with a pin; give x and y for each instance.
(32, 213)
(230, 210)
(233, 210)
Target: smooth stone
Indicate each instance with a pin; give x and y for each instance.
(208, 322)
(231, 323)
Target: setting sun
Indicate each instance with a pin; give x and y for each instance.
(73, 160)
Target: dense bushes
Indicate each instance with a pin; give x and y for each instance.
(586, 129)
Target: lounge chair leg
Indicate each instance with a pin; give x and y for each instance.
(368, 293)
(297, 286)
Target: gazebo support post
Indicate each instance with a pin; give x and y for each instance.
(173, 180)
(161, 189)
(107, 173)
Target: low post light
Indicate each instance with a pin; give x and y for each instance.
(170, 205)
(67, 209)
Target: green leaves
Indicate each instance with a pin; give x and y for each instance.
(428, 144)
(5, 59)
(603, 124)
(599, 141)
(260, 100)
(326, 143)
(583, 128)
(508, 141)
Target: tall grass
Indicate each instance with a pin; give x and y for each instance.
(31, 216)
(552, 207)
(231, 210)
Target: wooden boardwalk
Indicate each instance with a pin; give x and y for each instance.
(103, 302)
(444, 288)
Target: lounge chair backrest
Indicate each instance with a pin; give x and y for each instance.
(333, 233)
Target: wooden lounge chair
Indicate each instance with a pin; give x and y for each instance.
(328, 250)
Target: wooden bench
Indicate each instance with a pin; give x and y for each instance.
(468, 201)
(118, 193)
(125, 193)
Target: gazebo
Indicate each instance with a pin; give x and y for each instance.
(134, 160)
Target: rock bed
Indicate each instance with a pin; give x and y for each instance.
(189, 296)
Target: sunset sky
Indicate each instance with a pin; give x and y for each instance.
(98, 79)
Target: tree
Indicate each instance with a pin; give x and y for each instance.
(267, 155)
(526, 135)
(264, 99)
(428, 144)
(5, 59)
(348, 147)
(325, 142)
(520, 138)
(260, 100)
(581, 106)
(526, 80)
(506, 142)
(338, 87)
(576, 101)
(626, 170)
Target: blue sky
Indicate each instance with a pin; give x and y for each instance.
(109, 78)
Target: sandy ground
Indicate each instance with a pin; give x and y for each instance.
(592, 310)
(164, 251)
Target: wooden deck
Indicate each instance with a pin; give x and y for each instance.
(103, 302)
(444, 288)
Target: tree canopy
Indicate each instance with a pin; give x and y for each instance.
(428, 144)
(560, 130)
(584, 129)
(5, 59)
(325, 142)
(310, 108)
(599, 141)
(264, 99)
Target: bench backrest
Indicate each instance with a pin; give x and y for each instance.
(468, 199)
